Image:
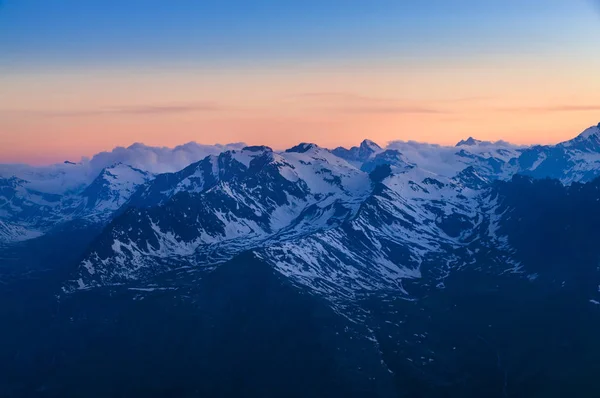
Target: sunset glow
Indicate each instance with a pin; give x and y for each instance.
(525, 75)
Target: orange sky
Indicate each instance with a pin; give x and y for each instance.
(81, 77)
(51, 116)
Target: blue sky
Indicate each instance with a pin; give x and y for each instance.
(66, 33)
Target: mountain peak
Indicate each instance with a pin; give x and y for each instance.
(370, 145)
(257, 148)
(588, 140)
(302, 147)
(367, 148)
(590, 132)
(469, 142)
(119, 169)
(114, 166)
(360, 153)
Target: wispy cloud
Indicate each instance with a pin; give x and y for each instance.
(147, 110)
(351, 103)
(389, 109)
(554, 108)
(461, 100)
(354, 97)
(151, 109)
(60, 177)
(338, 97)
(162, 109)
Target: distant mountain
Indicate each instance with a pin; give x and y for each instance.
(469, 142)
(34, 213)
(570, 161)
(34, 200)
(358, 154)
(111, 189)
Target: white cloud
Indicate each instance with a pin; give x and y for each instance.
(157, 159)
(60, 178)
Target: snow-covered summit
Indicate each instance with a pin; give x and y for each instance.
(591, 131)
(38, 198)
(112, 188)
(468, 142)
(575, 160)
(302, 147)
(358, 154)
(369, 147)
(588, 140)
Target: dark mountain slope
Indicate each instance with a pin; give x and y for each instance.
(242, 330)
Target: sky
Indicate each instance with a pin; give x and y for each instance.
(79, 77)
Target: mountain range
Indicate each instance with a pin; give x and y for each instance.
(413, 270)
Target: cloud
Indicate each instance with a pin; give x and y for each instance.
(554, 108)
(162, 109)
(146, 110)
(338, 97)
(60, 178)
(389, 110)
(477, 98)
(150, 109)
(350, 103)
(157, 159)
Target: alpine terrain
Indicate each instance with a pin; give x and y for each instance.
(410, 270)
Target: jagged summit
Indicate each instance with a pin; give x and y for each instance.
(469, 142)
(358, 154)
(257, 148)
(146, 176)
(369, 145)
(368, 148)
(112, 188)
(302, 147)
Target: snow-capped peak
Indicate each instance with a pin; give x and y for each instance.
(469, 142)
(302, 147)
(357, 155)
(257, 148)
(124, 172)
(249, 153)
(369, 145)
(587, 141)
(113, 187)
(590, 132)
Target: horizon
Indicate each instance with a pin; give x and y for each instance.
(241, 145)
(79, 78)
